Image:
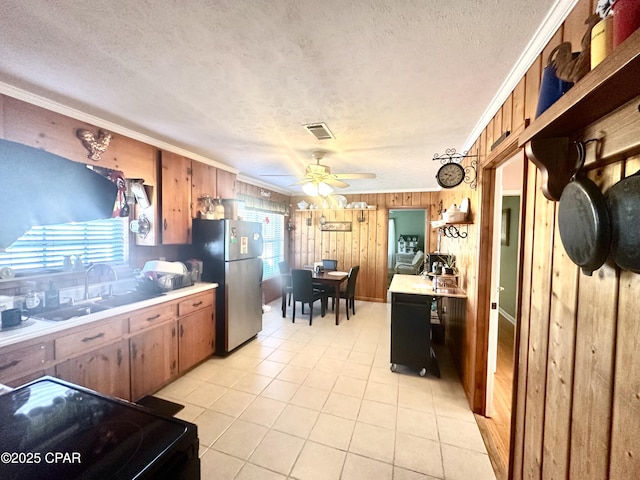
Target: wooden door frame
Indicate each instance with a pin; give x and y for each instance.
(486, 180)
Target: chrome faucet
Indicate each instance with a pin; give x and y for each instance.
(103, 266)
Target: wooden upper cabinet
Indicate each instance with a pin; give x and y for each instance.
(227, 185)
(41, 128)
(175, 200)
(203, 181)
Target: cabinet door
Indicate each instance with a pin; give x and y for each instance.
(153, 359)
(176, 198)
(196, 338)
(203, 181)
(105, 370)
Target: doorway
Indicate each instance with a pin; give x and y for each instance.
(406, 236)
(504, 313)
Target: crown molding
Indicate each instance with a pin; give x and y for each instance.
(53, 106)
(547, 29)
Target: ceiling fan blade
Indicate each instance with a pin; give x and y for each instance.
(334, 182)
(354, 175)
(279, 175)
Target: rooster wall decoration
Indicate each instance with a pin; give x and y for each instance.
(95, 147)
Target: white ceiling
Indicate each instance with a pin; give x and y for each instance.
(396, 81)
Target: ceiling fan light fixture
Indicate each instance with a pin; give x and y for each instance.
(314, 189)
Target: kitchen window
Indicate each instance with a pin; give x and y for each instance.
(272, 237)
(44, 247)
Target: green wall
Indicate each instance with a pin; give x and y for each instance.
(409, 222)
(509, 258)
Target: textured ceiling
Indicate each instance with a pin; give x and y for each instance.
(396, 81)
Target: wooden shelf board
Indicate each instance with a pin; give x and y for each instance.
(608, 86)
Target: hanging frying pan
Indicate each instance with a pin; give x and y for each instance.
(583, 220)
(623, 200)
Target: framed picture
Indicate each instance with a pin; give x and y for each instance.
(336, 227)
(504, 232)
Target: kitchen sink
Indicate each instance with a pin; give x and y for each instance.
(96, 305)
(68, 313)
(126, 298)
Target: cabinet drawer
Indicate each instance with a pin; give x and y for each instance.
(152, 316)
(22, 360)
(90, 338)
(195, 302)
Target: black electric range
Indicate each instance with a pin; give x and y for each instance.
(51, 429)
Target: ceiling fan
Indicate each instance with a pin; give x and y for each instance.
(318, 179)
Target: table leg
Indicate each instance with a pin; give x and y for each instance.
(337, 297)
(284, 303)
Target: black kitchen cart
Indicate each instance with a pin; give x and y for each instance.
(411, 333)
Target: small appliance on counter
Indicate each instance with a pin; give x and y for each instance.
(57, 430)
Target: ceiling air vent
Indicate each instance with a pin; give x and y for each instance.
(319, 130)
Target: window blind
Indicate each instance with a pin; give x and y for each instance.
(44, 247)
(272, 237)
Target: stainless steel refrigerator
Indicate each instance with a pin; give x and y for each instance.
(229, 250)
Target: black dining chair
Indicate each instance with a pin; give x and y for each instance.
(287, 289)
(304, 292)
(329, 265)
(348, 292)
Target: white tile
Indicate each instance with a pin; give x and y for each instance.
(243, 362)
(254, 472)
(360, 468)
(211, 425)
(379, 414)
(320, 380)
(189, 413)
(181, 387)
(205, 394)
(350, 386)
(332, 431)
(232, 403)
(268, 368)
(453, 407)
(296, 420)
(342, 405)
(415, 422)
(419, 454)
(279, 390)
(309, 397)
(281, 356)
(404, 474)
(415, 400)
(240, 439)
(373, 442)
(228, 376)
(318, 462)
(293, 374)
(356, 370)
(460, 433)
(363, 358)
(263, 411)
(253, 383)
(475, 465)
(381, 392)
(278, 451)
(214, 464)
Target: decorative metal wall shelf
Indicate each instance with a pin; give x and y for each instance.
(451, 231)
(470, 171)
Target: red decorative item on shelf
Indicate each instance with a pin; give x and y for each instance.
(626, 19)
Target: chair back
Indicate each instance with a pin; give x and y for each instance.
(329, 265)
(351, 281)
(302, 284)
(284, 267)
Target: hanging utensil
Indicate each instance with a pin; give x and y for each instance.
(623, 200)
(583, 220)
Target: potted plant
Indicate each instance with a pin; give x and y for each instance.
(450, 265)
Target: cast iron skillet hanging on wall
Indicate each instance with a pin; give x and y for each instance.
(623, 200)
(583, 220)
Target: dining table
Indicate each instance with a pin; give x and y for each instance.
(331, 279)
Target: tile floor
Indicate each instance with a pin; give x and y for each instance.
(319, 402)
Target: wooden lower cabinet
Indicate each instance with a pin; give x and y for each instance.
(154, 359)
(196, 338)
(105, 370)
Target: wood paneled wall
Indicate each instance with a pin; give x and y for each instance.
(576, 400)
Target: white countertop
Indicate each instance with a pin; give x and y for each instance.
(419, 285)
(44, 327)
